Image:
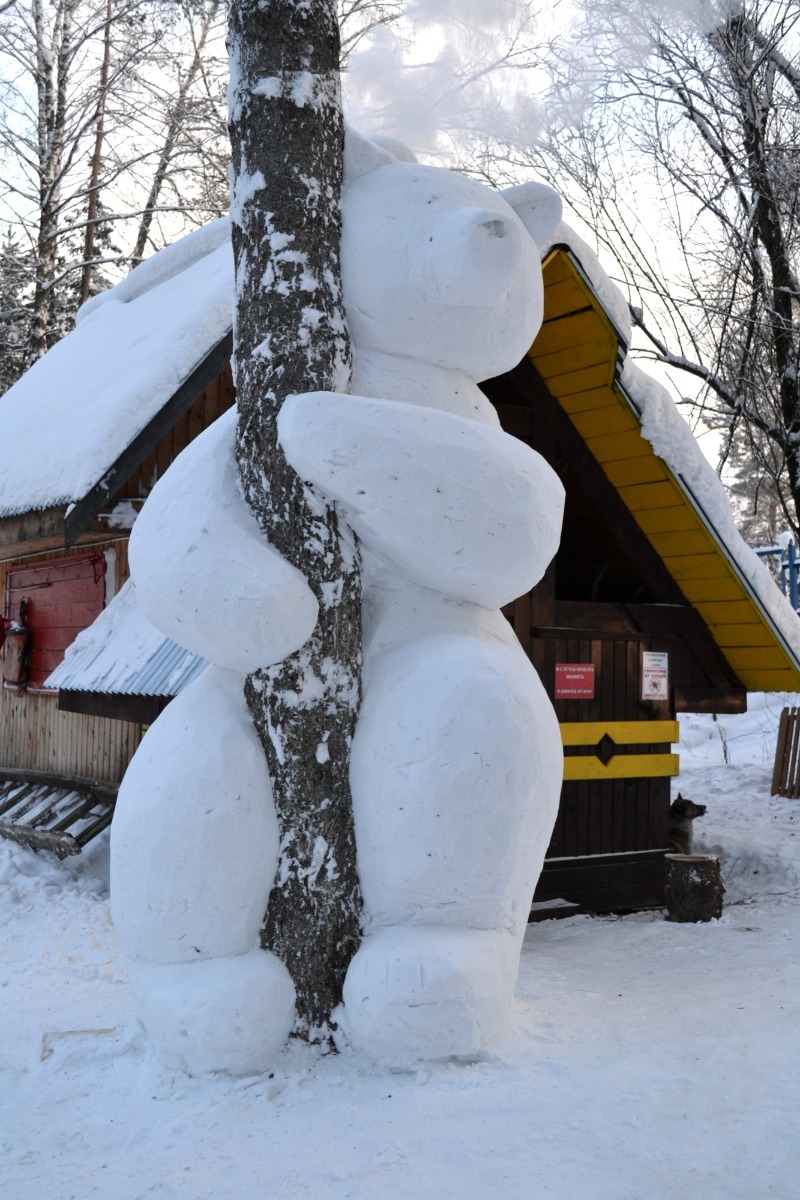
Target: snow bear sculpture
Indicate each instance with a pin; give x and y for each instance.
(456, 763)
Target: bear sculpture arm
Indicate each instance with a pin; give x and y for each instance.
(452, 503)
(203, 572)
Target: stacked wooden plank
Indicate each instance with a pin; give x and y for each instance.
(786, 772)
(49, 812)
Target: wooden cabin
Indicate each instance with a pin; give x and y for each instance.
(61, 761)
(652, 607)
(86, 433)
(648, 610)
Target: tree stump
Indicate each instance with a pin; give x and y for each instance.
(694, 887)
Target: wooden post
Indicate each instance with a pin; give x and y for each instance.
(694, 887)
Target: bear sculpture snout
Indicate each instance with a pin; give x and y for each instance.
(476, 257)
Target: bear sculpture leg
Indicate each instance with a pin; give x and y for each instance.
(456, 746)
(194, 849)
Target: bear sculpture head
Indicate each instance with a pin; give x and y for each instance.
(438, 267)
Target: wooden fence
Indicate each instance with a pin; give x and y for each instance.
(786, 773)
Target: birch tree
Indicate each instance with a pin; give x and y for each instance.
(290, 336)
(93, 151)
(60, 67)
(187, 94)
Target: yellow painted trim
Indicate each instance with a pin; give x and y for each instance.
(756, 658)
(556, 267)
(589, 399)
(658, 494)
(644, 470)
(710, 590)
(771, 681)
(608, 419)
(701, 567)
(742, 637)
(727, 612)
(618, 447)
(675, 519)
(680, 543)
(624, 733)
(573, 329)
(621, 766)
(565, 296)
(579, 384)
(576, 358)
(577, 354)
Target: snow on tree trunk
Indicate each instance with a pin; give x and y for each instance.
(287, 139)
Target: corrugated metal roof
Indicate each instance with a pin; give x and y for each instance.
(122, 653)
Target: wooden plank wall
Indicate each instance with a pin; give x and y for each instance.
(34, 735)
(605, 816)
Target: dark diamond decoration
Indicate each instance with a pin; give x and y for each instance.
(605, 749)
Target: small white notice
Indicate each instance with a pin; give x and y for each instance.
(655, 675)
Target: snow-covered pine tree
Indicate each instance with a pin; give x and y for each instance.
(16, 271)
(287, 138)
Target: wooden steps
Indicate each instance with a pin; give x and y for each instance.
(51, 812)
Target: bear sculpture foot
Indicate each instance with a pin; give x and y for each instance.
(223, 1014)
(422, 992)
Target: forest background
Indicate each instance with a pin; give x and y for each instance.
(672, 131)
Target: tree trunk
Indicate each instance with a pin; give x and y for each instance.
(175, 125)
(694, 887)
(290, 336)
(97, 157)
(53, 61)
(739, 50)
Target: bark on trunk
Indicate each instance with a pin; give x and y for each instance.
(739, 50)
(290, 336)
(54, 51)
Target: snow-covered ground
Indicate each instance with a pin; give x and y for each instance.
(646, 1060)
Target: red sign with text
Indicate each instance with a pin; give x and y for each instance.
(574, 681)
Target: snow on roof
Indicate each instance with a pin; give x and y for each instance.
(673, 441)
(79, 407)
(611, 298)
(67, 420)
(122, 652)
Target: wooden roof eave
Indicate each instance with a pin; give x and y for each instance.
(61, 525)
(23, 531)
(572, 305)
(730, 560)
(80, 514)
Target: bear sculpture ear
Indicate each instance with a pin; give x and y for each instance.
(361, 155)
(399, 150)
(538, 207)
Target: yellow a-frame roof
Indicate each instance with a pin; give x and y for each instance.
(579, 353)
